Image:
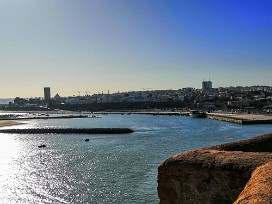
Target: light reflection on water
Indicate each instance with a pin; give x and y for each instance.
(109, 168)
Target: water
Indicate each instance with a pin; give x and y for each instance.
(109, 168)
(6, 100)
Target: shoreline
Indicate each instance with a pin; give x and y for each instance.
(5, 123)
(238, 118)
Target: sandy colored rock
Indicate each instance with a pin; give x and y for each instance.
(4, 123)
(259, 188)
(218, 174)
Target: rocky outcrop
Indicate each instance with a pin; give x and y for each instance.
(218, 174)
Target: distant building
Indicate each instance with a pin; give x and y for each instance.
(57, 97)
(47, 94)
(206, 85)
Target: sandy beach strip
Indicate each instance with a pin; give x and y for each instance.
(4, 123)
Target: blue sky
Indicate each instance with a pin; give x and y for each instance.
(123, 45)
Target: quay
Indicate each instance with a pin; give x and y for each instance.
(164, 113)
(68, 131)
(244, 119)
(155, 113)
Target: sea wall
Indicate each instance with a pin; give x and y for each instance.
(225, 119)
(242, 120)
(218, 174)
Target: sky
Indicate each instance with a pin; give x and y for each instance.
(90, 46)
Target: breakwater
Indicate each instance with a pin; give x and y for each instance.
(164, 113)
(155, 113)
(237, 172)
(69, 131)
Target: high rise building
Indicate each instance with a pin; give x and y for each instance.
(206, 85)
(47, 94)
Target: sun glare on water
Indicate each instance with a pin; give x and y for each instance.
(9, 154)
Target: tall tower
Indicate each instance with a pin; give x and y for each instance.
(206, 85)
(47, 94)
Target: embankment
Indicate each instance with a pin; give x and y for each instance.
(218, 174)
(68, 131)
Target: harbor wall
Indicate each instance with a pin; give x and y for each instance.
(225, 119)
(242, 121)
(218, 174)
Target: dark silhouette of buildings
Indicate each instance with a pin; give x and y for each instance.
(47, 93)
(206, 85)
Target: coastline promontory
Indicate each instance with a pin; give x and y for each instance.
(219, 174)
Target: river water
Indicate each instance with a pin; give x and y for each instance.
(109, 168)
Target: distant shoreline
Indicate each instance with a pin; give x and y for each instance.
(239, 118)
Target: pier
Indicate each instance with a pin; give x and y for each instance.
(243, 119)
(145, 112)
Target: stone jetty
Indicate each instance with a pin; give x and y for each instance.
(238, 172)
(68, 131)
(155, 113)
(243, 119)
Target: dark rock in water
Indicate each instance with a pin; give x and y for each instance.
(42, 146)
(69, 131)
(87, 140)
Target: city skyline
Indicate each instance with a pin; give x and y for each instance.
(126, 45)
(47, 91)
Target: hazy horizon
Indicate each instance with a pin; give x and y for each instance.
(124, 45)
